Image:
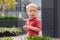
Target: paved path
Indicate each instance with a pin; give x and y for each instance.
(20, 37)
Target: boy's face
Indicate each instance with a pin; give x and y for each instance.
(32, 11)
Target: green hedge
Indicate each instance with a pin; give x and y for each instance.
(6, 38)
(39, 38)
(9, 17)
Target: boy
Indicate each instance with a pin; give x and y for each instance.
(33, 25)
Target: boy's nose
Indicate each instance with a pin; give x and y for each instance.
(32, 12)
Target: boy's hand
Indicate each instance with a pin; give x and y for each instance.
(26, 27)
(29, 27)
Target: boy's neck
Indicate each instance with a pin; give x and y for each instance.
(32, 17)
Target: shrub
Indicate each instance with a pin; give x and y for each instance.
(39, 38)
(10, 17)
(9, 31)
(6, 38)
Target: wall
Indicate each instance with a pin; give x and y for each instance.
(48, 18)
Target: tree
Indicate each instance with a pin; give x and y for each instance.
(8, 4)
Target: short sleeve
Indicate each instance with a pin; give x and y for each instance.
(39, 24)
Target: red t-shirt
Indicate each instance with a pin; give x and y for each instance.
(35, 22)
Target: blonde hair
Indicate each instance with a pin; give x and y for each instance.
(31, 5)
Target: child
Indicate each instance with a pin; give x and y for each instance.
(33, 25)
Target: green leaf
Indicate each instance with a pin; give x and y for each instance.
(39, 38)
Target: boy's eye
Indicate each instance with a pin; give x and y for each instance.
(32, 10)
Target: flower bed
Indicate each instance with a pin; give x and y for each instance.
(9, 31)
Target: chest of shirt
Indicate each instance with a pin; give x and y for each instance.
(32, 23)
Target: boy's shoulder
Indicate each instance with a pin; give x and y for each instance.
(37, 19)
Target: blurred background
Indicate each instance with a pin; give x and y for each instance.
(13, 17)
(20, 9)
(13, 13)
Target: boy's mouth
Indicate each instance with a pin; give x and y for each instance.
(32, 15)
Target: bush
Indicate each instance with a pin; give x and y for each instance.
(39, 38)
(10, 17)
(9, 31)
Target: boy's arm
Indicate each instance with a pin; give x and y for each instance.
(38, 26)
(35, 29)
(25, 28)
